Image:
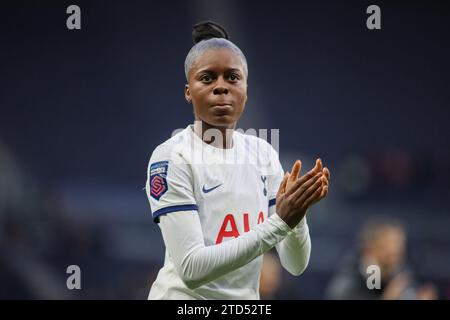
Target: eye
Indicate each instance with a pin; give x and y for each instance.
(234, 77)
(206, 78)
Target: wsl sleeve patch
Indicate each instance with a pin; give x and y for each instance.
(158, 179)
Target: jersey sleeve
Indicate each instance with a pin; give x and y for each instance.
(169, 185)
(198, 264)
(294, 251)
(274, 180)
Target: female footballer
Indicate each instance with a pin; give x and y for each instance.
(218, 215)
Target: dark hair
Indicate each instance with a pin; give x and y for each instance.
(210, 35)
(206, 30)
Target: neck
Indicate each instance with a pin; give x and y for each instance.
(219, 137)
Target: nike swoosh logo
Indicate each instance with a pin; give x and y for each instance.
(210, 189)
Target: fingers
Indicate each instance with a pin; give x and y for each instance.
(282, 188)
(310, 188)
(307, 184)
(326, 183)
(307, 189)
(293, 188)
(324, 193)
(326, 172)
(318, 166)
(324, 190)
(313, 197)
(311, 192)
(296, 168)
(293, 183)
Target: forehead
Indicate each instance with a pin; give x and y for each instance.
(390, 235)
(220, 59)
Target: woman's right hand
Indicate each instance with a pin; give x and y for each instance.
(295, 195)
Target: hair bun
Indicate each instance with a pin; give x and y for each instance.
(206, 30)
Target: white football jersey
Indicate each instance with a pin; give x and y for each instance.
(231, 190)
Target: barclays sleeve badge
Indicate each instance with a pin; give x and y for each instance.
(158, 179)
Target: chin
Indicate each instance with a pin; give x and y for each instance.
(224, 123)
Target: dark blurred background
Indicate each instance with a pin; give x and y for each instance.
(82, 110)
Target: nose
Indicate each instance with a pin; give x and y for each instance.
(221, 87)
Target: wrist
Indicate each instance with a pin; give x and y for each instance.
(284, 225)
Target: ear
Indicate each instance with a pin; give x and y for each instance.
(246, 93)
(187, 93)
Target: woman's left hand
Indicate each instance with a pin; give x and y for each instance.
(294, 176)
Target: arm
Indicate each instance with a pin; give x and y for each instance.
(198, 264)
(295, 249)
(171, 196)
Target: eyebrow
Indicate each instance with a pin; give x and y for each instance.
(209, 70)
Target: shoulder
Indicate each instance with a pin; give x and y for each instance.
(167, 162)
(261, 152)
(171, 148)
(253, 142)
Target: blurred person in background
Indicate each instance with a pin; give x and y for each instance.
(381, 243)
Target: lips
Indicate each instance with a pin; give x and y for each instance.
(222, 108)
(221, 104)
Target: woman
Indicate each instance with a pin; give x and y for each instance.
(221, 198)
